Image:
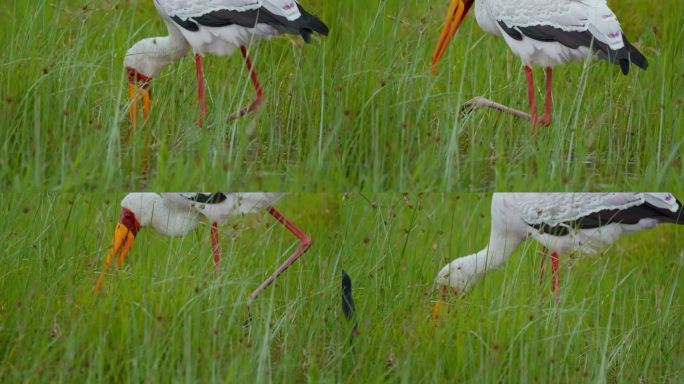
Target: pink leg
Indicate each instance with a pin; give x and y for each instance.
(548, 108)
(214, 244)
(200, 90)
(255, 82)
(480, 102)
(533, 103)
(554, 268)
(304, 244)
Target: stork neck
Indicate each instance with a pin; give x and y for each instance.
(177, 45)
(165, 50)
(493, 256)
(149, 56)
(481, 262)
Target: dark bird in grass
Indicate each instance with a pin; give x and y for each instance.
(348, 306)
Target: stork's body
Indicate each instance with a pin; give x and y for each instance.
(563, 223)
(177, 214)
(213, 26)
(546, 33)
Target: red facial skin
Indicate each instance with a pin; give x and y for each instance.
(128, 220)
(135, 77)
(446, 290)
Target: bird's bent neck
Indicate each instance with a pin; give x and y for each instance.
(465, 270)
(480, 263)
(164, 50)
(149, 56)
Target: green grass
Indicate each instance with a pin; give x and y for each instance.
(166, 313)
(619, 317)
(167, 317)
(356, 110)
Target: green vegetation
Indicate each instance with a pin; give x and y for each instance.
(168, 315)
(619, 317)
(356, 110)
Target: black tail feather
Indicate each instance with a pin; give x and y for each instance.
(678, 217)
(636, 57)
(626, 56)
(629, 216)
(304, 25)
(309, 24)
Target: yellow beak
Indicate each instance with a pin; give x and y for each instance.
(136, 92)
(441, 301)
(455, 15)
(438, 308)
(121, 243)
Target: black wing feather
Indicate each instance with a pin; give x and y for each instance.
(208, 198)
(628, 216)
(575, 39)
(304, 25)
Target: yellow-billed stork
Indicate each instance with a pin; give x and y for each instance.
(211, 26)
(563, 223)
(545, 33)
(177, 214)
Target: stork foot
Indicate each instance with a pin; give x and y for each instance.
(257, 87)
(482, 102)
(545, 121)
(247, 110)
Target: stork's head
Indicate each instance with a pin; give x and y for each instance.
(457, 12)
(454, 278)
(456, 275)
(136, 212)
(141, 67)
(142, 206)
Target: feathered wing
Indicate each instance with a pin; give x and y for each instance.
(244, 203)
(610, 40)
(559, 208)
(572, 23)
(189, 200)
(557, 213)
(285, 16)
(670, 209)
(218, 206)
(186, 9)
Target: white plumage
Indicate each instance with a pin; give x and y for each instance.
(562, 222)
(220, 40)
(235, 204)
(186, 9)
(213, 26)
(177, 214)
(545, 33)
(593, 16)
(558, 208)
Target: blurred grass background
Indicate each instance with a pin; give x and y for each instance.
(357, 110)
